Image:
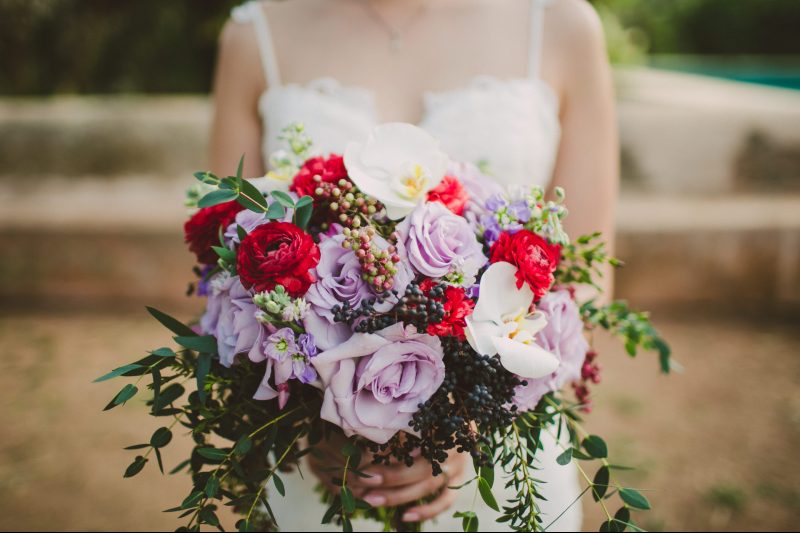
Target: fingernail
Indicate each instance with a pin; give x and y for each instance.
(410, 517)
(373, 479)
(375, 500)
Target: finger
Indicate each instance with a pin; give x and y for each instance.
(405, 494)
(399, 475)
(431, 510)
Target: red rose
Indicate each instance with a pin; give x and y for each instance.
(451, 193)
(536, 259)
(457, 307)
(277, 253)
(330, 170)
(202, 229)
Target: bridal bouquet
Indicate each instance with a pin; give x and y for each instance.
(397, 300)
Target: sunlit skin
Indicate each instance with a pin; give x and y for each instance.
(314, 38)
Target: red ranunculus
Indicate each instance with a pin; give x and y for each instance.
(330, 169)
(536, 259)
(457, 307)
(451, 193)
(202, 229)
(277, 253)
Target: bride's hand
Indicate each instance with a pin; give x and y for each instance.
(395, 484)
(401, 484)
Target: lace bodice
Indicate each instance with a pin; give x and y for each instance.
(511, 125)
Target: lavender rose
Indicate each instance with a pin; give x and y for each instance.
(563, 337)
(374, 382)
(339, 281)
(232, 317)
(440, 244)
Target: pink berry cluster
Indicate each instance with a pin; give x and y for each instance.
(378, 266)
(590, 373)
(345, 203)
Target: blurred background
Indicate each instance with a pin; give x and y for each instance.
(104, 114)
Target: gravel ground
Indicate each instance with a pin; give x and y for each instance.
(715, 446)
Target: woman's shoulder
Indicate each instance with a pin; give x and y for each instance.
(574, 24)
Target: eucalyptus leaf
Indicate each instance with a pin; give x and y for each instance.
(220, 196)
(172, 324)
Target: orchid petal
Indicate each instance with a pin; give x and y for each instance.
(480, 334)
(526, 360)
(499, 294)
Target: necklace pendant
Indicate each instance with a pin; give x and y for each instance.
(395, 43)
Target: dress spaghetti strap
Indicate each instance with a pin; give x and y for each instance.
(536, 37)
(253, 12)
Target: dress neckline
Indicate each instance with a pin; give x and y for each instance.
(361, 97)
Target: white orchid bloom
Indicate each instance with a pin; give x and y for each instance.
(398, 164)
(502, 324)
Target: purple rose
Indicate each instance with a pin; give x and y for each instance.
(439, 243)
(563, 337)
(374, 382)
(338, 282)
(231, 317)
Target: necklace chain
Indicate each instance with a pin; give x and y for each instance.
(395, 32)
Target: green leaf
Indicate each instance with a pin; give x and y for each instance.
(634, 498)
(348, 501)
(117, 372)
(163, 352)
(240, 167)
(302, 215)
(192, 500)
(276, 211)
(243, 445)
(204, 344)
(127, 392)
(172, 324)
(254, 200)
(241, 232)
(212, 486)
(161, 438)
(303, 201)
(243, 525)
(213, 454)
(167, 396)
(664, 353)
(577, 454)
(283, 198)
(226, 254)
(487, 473)
(206, 177)
(278, 484)
(630, 347)
(349, 449)
(208, 516)
(220, 196)
(595, 446)
(622, 517)
(600, 483)
(565, 458)
(135, 467)
(486, 494)
(469, 521)
(203, 368)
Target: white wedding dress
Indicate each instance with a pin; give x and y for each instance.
(513, 125)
